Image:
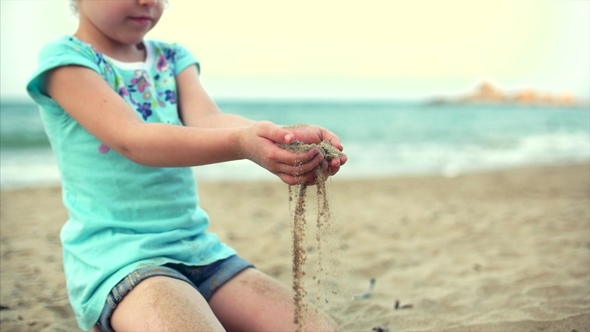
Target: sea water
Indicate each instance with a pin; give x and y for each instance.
(381, 138)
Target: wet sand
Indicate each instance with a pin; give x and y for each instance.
(495, 251)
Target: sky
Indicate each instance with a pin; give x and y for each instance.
(386, 49)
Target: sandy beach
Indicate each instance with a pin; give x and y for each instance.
(494, 251)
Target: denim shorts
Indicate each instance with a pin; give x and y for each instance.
(206, 279)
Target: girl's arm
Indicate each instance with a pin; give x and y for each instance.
(85, 95)
(197, 109)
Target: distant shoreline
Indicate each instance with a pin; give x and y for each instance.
(487, 93)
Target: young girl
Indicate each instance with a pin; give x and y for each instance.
(126, 117)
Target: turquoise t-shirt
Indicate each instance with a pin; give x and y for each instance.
(122, 215)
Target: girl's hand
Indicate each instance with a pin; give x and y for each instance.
(259, 144)
(309, 134)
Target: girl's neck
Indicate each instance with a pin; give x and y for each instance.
(112, 49)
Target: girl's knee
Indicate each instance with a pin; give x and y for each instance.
(163, 303)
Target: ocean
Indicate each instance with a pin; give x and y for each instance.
(381, 138)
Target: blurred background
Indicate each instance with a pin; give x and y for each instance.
(412, 88)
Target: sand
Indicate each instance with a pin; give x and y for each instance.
(298, 194)
(497, 251)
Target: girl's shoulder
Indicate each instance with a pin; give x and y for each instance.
(68, 46)
(174, 54)
(64, 51)
(69, 50)
(172, 51)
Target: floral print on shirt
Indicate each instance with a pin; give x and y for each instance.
(149, 91)
(146, 91)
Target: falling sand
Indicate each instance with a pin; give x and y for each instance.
(299, 195)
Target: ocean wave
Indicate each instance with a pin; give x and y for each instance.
(380, 140)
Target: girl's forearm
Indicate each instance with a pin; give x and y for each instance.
(222, 120)
(164, 145)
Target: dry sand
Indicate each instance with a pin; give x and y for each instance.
(498, 251)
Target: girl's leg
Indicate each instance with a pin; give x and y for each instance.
(253, 301)
(164, 304)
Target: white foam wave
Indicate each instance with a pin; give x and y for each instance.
(381, 159)
(32, 168)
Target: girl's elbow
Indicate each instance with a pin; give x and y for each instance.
(133, 152)
(138, 157)
(132, 146)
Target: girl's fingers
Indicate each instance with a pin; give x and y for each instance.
(274, 133)
(336, 163)
(287, 157)
(334, 140)
(299, 169)
(307, 179)
(302, 165)
(308, 174)
(294, 167)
